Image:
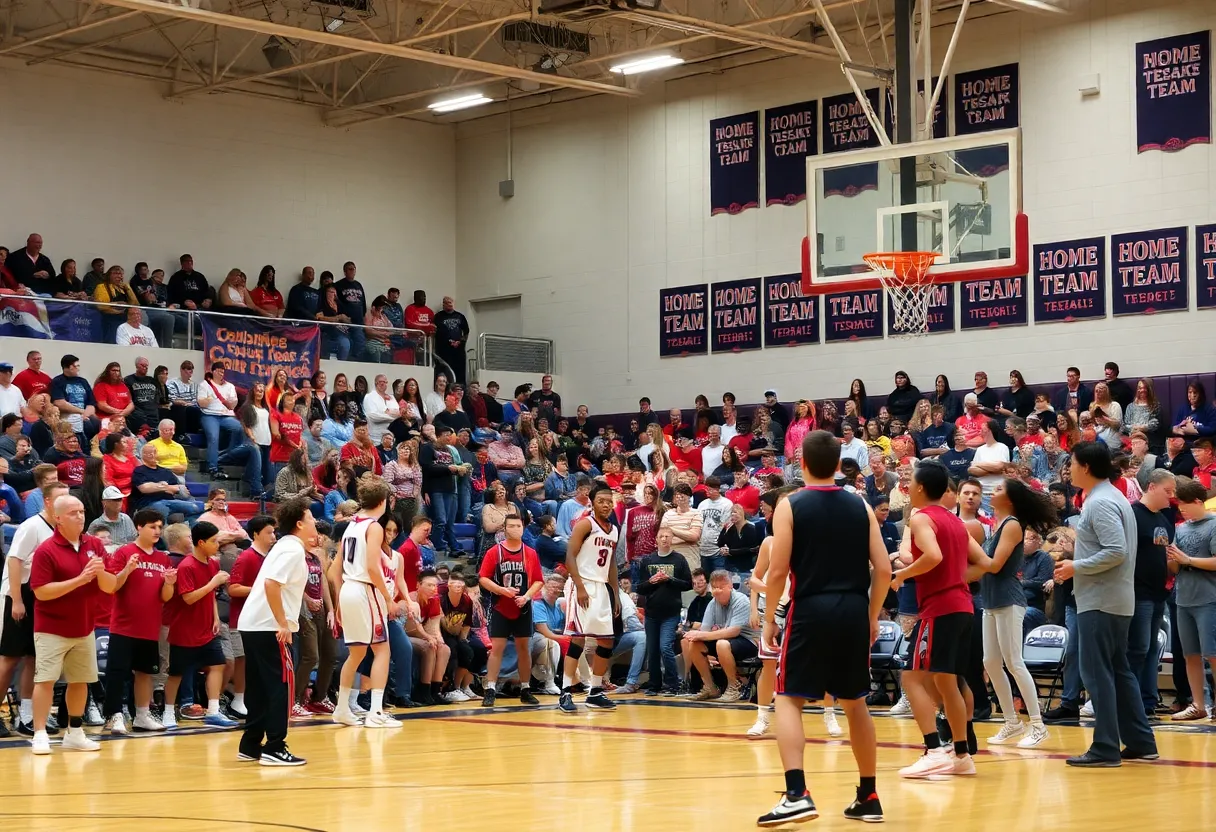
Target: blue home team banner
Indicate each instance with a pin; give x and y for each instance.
(254, 350)
(1070, 280)
(736, 314)
(1174, 92)
(1149, 272)
(734, 163)
(845, 126)
(988, 304)
(853, 316)
(791, 134)
(1205, 266)
(68, 322)
(940, 315)
(684, 320)
(986, 99)
(790, 317)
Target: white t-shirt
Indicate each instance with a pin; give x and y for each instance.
(216, 407)
(11, 400)
(714, 515)
(285, 564)
(29, 535)
(996, 452)
(379, 412)
(729, 432)
(135, 336)
(261, 430)
(711, 458)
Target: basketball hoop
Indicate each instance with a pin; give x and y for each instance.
(905, 275)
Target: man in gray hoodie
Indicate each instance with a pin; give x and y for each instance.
(1103, 572)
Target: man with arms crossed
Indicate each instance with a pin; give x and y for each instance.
(830, 541)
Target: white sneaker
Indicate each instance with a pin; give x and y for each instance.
(117, 725)
(829, 719)
(964, 766)
(732, 693)
(1088, 709)
(1009, 731)
(1187, 714)
(345, 716)
(357, 709)
(760, 727)
(77, 741)
(470, 696)
(455, 696)
(549, 689)
(169, 720)
(932, 763)
(901, 708)
(41, 743)
(381, 721)
(146, 722)
(92, 716)
(1036, 735)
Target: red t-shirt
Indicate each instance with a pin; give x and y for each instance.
(137, 606)
(291, 431)
(943, 589)
(244, 572)
(55, 559)
(411, 563)
(430, 609)
(118, 472)
(31, 383)
(1031, 439)
(192, 624)
(71, 470)
(360, 458)
(420, 317)
(519, 569)
(115, 394)
(748, 496)
(264, 297)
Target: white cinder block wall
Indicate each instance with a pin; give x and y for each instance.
(103, 166)
(612, 205)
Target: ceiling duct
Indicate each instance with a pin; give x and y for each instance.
(589, 9)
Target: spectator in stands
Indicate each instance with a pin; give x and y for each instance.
(316, 445)
(73, 396)
(158, 488)
(451, 416)
(286, 432)
(725, 629)
(971, 422)
(115, 296)
(1177, 458)
(1018, 400)
(1120, 390)
(507, 456)
(95, 275)
(1196, 417)
(545, 403)
(396, 318)
(986, 398)
(411, 402)
(439, 472)
(111, 394)
(233, 296)
(989, 462)
(512, 410)
(335, 334)
(66, 456)
(1143, 413)
(31, 381)
(451, 336)
(685, 524)
(303, 299)
(183, 400)
(494, 408)
(295, 480)
(217, 399)
(380, 409)
(744, 493)
(153, 294)
(21, 463)
(1075, 396)
(1056, 459)
(66, 285)
(360, 452)
(435, 400)
(232, 537)
(419, 316)
(880, 480)
(559, 485)
(254, 416)
(113, 520)
(901, 401)
(352, 302)
(188, 289)
(340, 493)
(118, 462)
(404, 474)
(1108, 416)
(265, 296)
(12, 400)
(1205, 462)
(378, 331)
(30, 267)
(145, 397)
(339, 428)
(739, 544)
(132, 332)
(942, 395)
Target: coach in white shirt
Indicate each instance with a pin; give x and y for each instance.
(12, 400)
(711, 454)
(133, 332)
(989, 463)
(381, 409)
(270, 615)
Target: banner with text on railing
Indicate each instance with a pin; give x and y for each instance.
(254, 350)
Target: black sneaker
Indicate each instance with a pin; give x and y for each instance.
(526, 697)
(1089, 761)
(25, 729)
(422, 697)
(1144, 756)
(579, 688)
(248, 757)
(597, 700)
(282, 757)
(487, 701)
(565, 703)
(868, 810)
(790, 811)
(1062, 713)
(4, 732)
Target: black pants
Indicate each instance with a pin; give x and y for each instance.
(187, 419)
(268, 675)
(975, 667)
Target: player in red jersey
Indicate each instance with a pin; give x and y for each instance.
(941, 638)
(511, 571)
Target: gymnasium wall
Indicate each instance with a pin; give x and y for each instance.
(612, 205)
(105, 166)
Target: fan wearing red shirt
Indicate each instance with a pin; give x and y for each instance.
(32, 381)
(111, 392)
(194, 640)
(286, 428)
(745, 494)
(360, 452)
(418, 315)
(66, 574)
(260, 529)
(430, 615)
(140, 595)
(411, 551)
(511, 572)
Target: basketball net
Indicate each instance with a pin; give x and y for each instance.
(905, 276)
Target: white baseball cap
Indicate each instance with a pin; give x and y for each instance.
(111, 493)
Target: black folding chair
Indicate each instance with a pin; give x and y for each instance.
(886, 659)
(1043, 652)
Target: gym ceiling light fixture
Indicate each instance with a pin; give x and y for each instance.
(334, 24)
(647, 64)
(1053, 6)
(451, 105)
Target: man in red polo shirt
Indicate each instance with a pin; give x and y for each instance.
(411, 551)
(139, 597)
(244, 572)
(194, 640)
(67, 573)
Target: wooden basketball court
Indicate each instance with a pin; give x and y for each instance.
(652, 765)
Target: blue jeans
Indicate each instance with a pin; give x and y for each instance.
(464, 499)
(250, 456)
(661, 650)
(1142, 648)
(443, 515)
(1182, 685)
(190, 508)
(1071, 695)
(538, 507)
(401, 658)
(335, 343)
(211, 428)
(712, 563)
(634, 641)
(160, 321)
(1119, 718)
(358, 338)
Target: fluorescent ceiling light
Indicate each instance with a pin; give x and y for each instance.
(462, 103)
(1035, 5)
(647, 64)
(334, 24)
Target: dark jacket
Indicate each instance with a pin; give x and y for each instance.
(663, 597)
(1085, 397)
(901, 403)
(436, 478)
(1122, 392)
(22, 268)
(744, 546)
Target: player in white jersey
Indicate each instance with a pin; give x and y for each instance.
(592, 600)
(364, 604)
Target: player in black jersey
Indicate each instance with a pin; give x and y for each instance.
(829, 540)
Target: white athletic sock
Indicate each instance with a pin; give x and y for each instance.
(142, 711)
(238, 700)
(213, 707)
(596, 681)
(491, 685)
(343, 697)
(75, 732)
(567, 680)
(377, 700)
(763, 709)
(27, 710)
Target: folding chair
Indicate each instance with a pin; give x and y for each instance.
(886, 660)
(1043, 652)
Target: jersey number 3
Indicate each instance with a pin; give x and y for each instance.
(603, 558)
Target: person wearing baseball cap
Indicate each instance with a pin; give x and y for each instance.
(776, 409)
(12, 400)
(112, 519)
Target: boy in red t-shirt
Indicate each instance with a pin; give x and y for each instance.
(411, 551)
(511, 571)
(135, 621)
(244, 572)
(435, 659)
(194, 627)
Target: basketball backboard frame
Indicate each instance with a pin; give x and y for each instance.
(948, 269)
